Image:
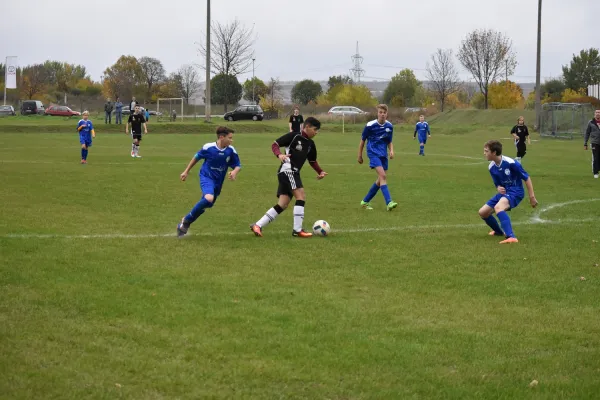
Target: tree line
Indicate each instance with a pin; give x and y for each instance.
(487, 55)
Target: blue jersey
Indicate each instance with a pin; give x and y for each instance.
(217, 161)
(378, 137)
(87, 130)
(510, 175)
(422, 128)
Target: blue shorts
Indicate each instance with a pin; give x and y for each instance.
(375, 162)
(422, 138)
(208, 186)
(513, 201)
(85, 139)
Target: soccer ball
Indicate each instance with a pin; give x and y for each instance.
(321, 228)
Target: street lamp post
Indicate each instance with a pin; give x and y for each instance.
(253, 81)
(538, 89)
(207, 85)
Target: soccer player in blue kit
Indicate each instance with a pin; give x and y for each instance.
(378, 136)
(86, 133)
(218, 157)
(422, 128)
(507, 175)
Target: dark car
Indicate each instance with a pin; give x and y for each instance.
(7, 110)
(61, 111)
(253, 112)
(29, 107)
(125, 111)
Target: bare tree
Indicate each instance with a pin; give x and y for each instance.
(231, 49)
(272, 102)
(487, 54)
(152, 72)
(190, 81)
(470, 89)
(443, 75)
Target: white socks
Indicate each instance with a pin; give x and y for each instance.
(268, 217)
(298, 218)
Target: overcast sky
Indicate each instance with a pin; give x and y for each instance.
(295, 39)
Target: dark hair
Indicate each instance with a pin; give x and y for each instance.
(312, 121)
(494, 146)
(224, 131)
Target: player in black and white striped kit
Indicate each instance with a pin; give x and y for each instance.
(300, 148)
(137, 121)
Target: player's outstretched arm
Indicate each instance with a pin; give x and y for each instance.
(127, 128)
(191, 164)
(532, 198)
(361, 147)
(233, 173)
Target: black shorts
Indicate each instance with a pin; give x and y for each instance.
(136, 136)
(521, 149)
(288, 181)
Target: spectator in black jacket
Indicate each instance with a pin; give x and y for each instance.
(592, 134)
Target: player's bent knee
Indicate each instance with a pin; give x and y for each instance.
(210, 198)
(499, 209)
(485, 212)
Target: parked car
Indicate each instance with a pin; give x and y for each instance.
(29, 107)
(61, 111)
(253, 112)
(345, 110)
(415, 110)
(7, 110)
(126, 111)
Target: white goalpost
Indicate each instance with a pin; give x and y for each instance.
(172, 108)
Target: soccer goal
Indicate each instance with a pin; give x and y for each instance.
(565, 120)
(169, 109)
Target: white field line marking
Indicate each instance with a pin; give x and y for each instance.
(265, 164)
(532, 221)
(100, 163)
(537, 215)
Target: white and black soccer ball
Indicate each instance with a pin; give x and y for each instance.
(321, 228)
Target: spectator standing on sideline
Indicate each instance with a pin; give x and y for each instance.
(108, 108)
(118, 111)
(592, 134)
(132, 105)
(296, 121)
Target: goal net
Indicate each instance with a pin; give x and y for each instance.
(565, 120)
(169, 109)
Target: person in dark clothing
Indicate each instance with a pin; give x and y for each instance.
(592, 134)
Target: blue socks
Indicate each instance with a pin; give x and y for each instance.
(493, 223)
(506, 225)
(84, 154)
(421, 149)
(386, 194)
(372, 192)
(198, 210)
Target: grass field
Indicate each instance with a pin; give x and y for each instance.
(100, 300)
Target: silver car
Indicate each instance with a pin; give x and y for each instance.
(345, 110)
(7, 110)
